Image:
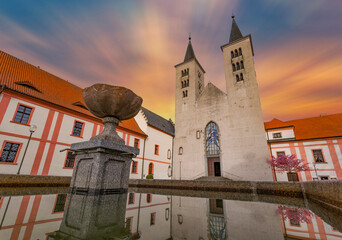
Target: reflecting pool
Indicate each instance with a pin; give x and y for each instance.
(142, 215)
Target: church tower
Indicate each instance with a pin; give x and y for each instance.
(244, 106)
(189, 85)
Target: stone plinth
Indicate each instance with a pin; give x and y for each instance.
(101, 167)
(94, 217)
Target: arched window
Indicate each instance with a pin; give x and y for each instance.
(236, 53)
(237, 78)
(182, 84)
(240, 52)
(180, 151)
(150, 168)
(186, 93)
(212, 139)
(234, 68)
(242, 66)
(187, 83)
(232, 54)
(241, 76)
(237, 66)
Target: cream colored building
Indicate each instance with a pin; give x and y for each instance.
(220, 133)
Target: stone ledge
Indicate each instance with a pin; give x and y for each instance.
(13, 180)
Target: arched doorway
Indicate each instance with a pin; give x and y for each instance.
(213, 149)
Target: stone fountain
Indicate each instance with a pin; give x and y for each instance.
(103, 163)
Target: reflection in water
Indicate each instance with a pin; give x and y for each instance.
(94, 216)
(144, 216)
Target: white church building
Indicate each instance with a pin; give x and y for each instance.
(220, 133)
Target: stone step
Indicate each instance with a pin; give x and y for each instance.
(213, 179)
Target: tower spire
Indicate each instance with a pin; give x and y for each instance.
(190, 54)
(235, 32)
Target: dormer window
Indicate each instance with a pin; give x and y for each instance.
(28, 85)
(79, 104)
(277, 135)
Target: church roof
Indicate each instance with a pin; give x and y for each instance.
(190, 54)
(315, 127)
(158, 122)
(235, 33)
(30, 80)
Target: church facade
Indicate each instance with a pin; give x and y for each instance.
(220, 133)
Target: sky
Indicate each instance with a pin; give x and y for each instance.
(136, 43)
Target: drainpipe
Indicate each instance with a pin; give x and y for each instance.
(173, 150)
(273, 170)
(143, 160)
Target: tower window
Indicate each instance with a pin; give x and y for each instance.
(237, 77)
(241, 76)
(180, 151)
(182, 84)
(187, 83)
(240, 52)
(234, 68)
(236, 53)
(237, 66)
(242, 66)
(232, 54)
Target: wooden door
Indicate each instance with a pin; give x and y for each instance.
(214, 166)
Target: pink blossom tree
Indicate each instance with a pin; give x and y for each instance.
(295, 215)
(288, 163)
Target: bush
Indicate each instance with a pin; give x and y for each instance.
(149, 176)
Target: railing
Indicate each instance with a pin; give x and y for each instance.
(202, 174)
(231, 176)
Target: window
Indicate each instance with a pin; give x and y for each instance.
(240, 51)
(242, 66)
(128, 224)
(77, 131)
(237, 78)
(23, 114)
(236, 53)
(150, 168)
(232, 54)
(169, 154)
(60, 203)
(70, 160)
(153, 219)
(9, 152)
(212, 139)
(180, 151)
(185, 93)
(318, 156)
(136, 142)
(148, 198)
(134, 166)
(156, 149)
(187, 83)
(198, 134)
(294, 221)
(325, 178)
(277, 135)
(234, 68)
(241, 76)
(280, 154)
(131, 198)
(237, 66)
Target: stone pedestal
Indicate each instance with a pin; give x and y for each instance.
(94, 217)
(102, 167)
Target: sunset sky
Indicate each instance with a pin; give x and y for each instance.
(135, 44)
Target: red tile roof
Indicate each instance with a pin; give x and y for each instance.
(316, 127)
(25, 78)
(276, 123)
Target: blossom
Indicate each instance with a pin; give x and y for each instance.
(288, 163)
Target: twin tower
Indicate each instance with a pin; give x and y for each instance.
(220, 133)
